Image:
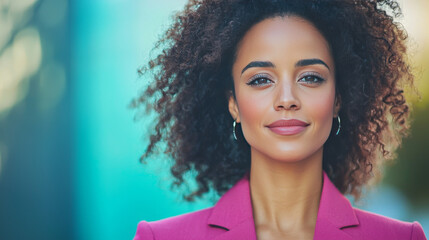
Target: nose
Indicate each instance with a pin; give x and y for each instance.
(286, 98)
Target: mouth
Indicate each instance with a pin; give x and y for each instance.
(288, 127)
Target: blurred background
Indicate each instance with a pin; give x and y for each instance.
(69, 145)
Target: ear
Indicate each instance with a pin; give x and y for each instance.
(233, 108)
(337, 105)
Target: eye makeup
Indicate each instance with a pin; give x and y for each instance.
(312, 78)
(258, 78)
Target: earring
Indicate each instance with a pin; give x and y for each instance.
(339, 125)
(233, 130)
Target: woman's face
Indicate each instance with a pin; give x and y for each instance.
(284, 71)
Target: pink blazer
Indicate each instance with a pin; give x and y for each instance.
(232, 219)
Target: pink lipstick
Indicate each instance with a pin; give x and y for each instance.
(288, 127)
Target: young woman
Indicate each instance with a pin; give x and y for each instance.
(291, 102)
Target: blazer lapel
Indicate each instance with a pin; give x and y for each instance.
(244, 230)
(335, 213)
(233, 213)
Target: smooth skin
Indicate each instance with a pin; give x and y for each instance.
(284, 70)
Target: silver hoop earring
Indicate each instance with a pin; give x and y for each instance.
(233, 130)
(339, 125)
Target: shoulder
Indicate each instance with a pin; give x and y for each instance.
(375, 226)
(186, 226)
(232, 212)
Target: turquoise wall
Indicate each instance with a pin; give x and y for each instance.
(113, 190)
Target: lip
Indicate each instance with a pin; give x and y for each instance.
(288, 126)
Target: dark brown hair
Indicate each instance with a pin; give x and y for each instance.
(192, 79)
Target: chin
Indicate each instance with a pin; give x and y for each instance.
(292, 154)
(290, 157)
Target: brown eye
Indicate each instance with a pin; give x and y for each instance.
(259, 80)
(312, 79)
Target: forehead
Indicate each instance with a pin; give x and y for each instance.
(281, 39)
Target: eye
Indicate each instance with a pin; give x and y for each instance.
(312, 78)
(259, 80)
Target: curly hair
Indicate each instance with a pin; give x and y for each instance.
(193, 79)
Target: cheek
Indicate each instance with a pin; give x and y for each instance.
(321, 107)
(251, 107)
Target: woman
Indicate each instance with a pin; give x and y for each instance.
(292, 102)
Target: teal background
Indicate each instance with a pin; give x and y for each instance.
(114, 191)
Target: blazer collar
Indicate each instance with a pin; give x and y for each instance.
(233, 212)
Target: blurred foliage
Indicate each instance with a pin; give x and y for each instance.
(32, 50)
(409, 173)
(35, 121)
(20, 57)
(20, 51)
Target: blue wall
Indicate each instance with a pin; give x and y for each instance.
(114, 191)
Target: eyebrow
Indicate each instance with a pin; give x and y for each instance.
(300, 63)
(258, 64)
(313, 61)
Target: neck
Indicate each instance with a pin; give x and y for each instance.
(286, 195)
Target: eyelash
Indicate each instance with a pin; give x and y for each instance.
(257, 77)
(313, 75)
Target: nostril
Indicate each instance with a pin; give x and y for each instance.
(293, 106)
